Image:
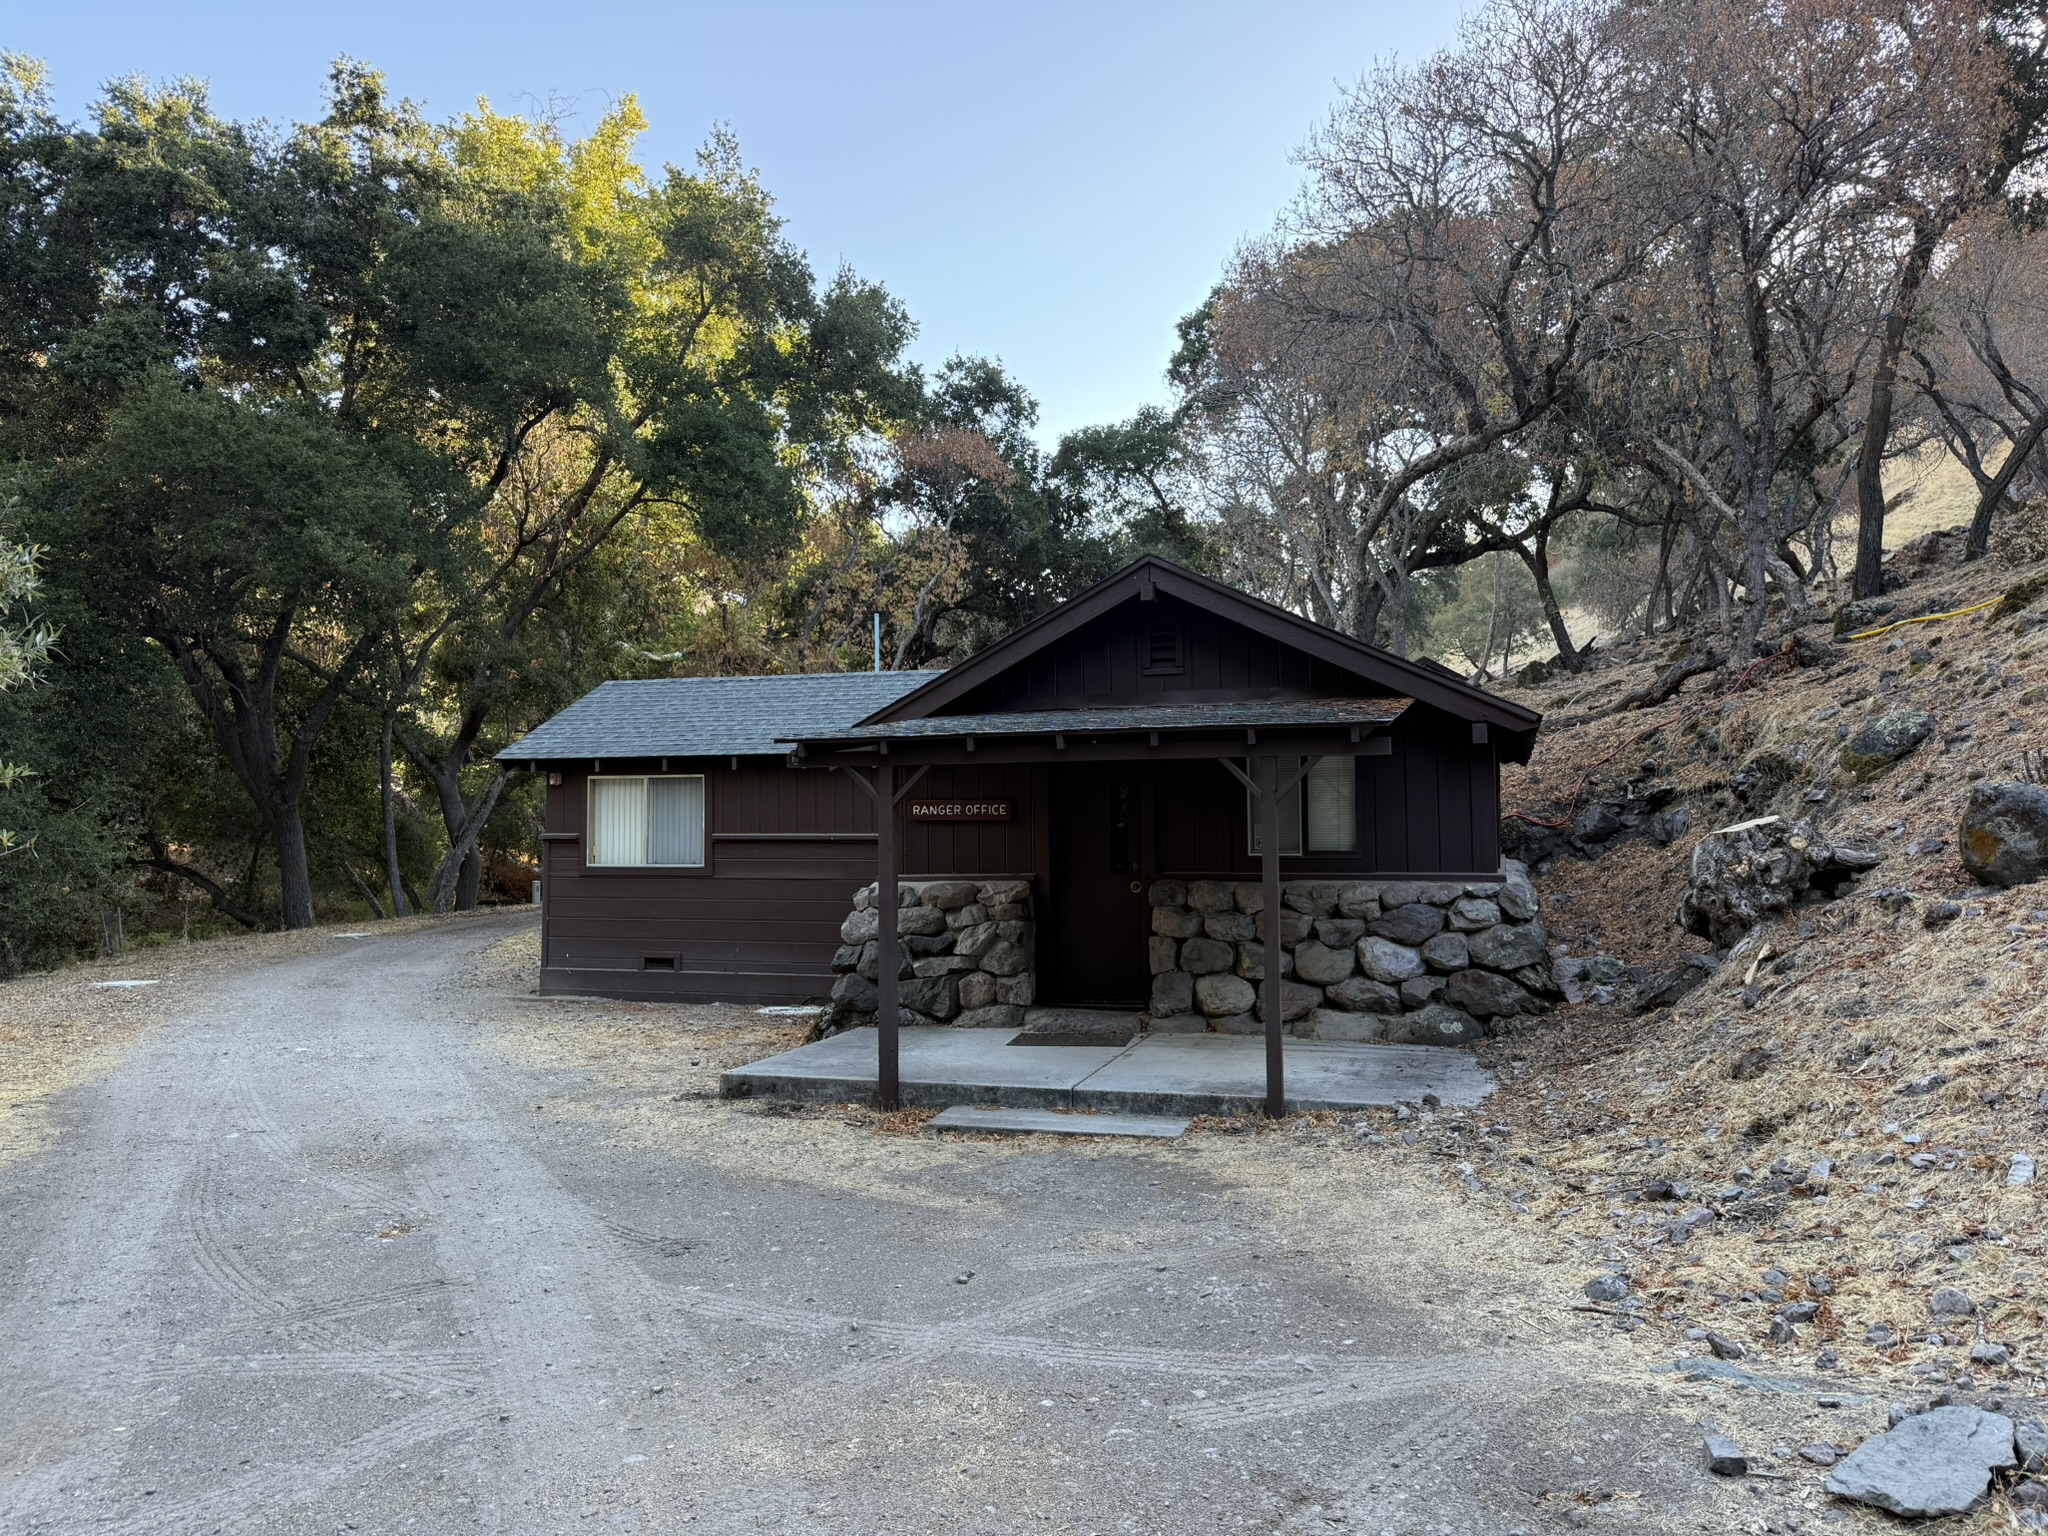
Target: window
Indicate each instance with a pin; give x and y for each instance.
(1320, 813)
(1162, 649)
(1333, 805)
(650, 820)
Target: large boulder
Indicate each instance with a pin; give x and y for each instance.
(1384, 960)
(1510, 946)
(1318, 963)
(1410, 924)
(1757, 870)
(1932, 1464)
(1485, 995)
(1219, 996)
(2004, 833)
(1296, 1001)
(1361, 994)
(1876, 747)
(1437, 1024)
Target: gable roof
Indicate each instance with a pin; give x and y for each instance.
(708, 716)
(1425, 682)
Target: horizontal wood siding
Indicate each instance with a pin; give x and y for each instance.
(786, 849)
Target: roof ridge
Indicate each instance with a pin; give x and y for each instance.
(768, 677)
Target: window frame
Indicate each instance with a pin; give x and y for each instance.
(591, 866)
(1299, 795)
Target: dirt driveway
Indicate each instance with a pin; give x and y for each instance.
(362, 1238)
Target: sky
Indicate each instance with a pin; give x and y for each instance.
(1052, 184)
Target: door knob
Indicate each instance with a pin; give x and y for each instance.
(1136, 887)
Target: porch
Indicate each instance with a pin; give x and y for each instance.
(1151, 1075)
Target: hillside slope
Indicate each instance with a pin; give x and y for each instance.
(1842, 1111)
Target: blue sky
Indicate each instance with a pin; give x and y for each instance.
(1053, 184)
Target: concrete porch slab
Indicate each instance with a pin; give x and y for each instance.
(987, 1120)
(1154, 1075)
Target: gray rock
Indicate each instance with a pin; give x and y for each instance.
(1006, 893)
(994, 1016)
(1250, 896)
(1335, 1024)
(1220, 995)
(1295, 1001)
(1168, 893)
(978, 990)
(1933, 1464)
(1595, 823)
(1667, 987)
(1754, 871)
(1821, 1455)
(1986, 1353)
(950, 895)
(1294, 927)
(1875, 748)
(920, 920)
(1607, 1288)
(1435, 1025)
(1361, 994)
(970, 916)
(1021, 989)
(978, 940)
(1517, 899)
(1448, 951)
(1005, 958)
(2003, 836)
(1172, 992)
(1339, 932)
(1471, 914)
(856, 991)
(1311, 898)
(929, 944)
(1321, 965)
(1162, 953)
(1485, 995)
(1667, 827)
(846, 957)
(1421, 991)
(1237, 1024)
(941, 965)
(2019, 1172)
(1359, 899)
(860, 926)
(2030, 1444)
(1510, 946)
(1209, 896)
(1231, 927)
(932, 996)
(1251, 962)
(1176, 922)
(1724, 1456)
(1384, 960)
(1410, 924)
(1948, 1301)
(1725, 1348)
(1205, 957)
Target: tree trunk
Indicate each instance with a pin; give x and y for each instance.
(1492, 628)
(1979, 540)
(294, 877)
(1868, 580)
(392, 877)
(1537, 558)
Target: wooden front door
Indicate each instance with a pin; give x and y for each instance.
(1093, 948)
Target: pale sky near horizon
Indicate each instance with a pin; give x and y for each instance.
(1053, 185)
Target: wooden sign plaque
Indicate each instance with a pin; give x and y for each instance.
(961, 810)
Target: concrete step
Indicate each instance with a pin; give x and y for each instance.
(988, 1120)
(1077, 1026)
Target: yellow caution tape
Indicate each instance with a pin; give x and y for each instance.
(1926, 618)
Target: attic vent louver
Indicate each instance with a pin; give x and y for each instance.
(1162, 650)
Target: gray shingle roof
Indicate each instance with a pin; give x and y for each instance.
(709, 716)
(1229, 715)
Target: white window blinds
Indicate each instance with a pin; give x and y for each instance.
(643, 821)
(1320, 813)
(1333, 806)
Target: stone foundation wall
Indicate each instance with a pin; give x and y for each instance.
(967, 954)
(1412, 962)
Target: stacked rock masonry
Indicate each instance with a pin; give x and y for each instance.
(966, 954)
(1412, 962)
(1409, 962)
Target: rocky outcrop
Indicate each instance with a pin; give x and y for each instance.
(1931, 1464)
(1758, 870)
(966, 955)
(1441, 962)
(2004, 834)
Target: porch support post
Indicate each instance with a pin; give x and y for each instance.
(1267, 770)
(887, 1082)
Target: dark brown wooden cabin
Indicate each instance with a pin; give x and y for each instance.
(704, 836)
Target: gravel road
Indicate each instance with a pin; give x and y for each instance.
(308, 1259)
